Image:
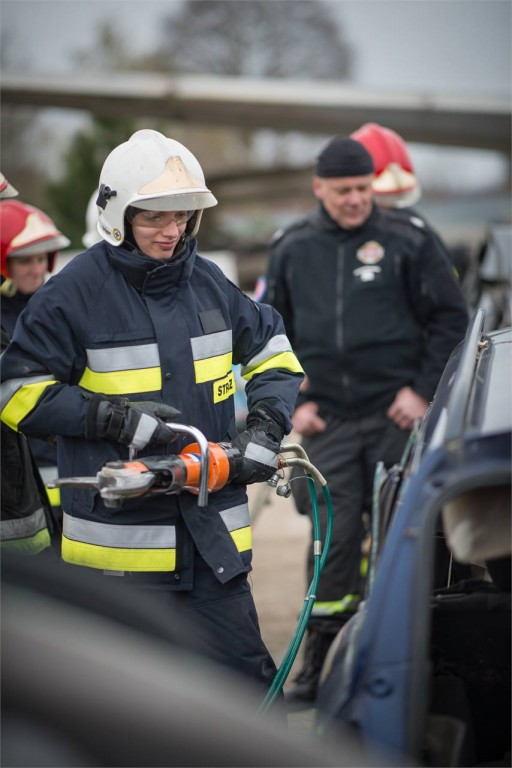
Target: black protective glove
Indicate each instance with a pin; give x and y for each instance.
(136, 425)
(259, 447)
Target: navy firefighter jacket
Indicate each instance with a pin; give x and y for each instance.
(119, 323)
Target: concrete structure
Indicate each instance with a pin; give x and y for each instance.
(277, 104)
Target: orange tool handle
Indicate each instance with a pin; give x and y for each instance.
(218, 474)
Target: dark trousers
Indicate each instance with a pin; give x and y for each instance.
(217, 621)
(346, 454)
(227, 616)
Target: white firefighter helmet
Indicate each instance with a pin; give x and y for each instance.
(151, 172)
(91, 234)
(395, 184)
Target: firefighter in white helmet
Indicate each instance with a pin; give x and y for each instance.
(135, 333)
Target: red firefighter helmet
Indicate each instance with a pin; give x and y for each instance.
(27, 231)
(395, 184)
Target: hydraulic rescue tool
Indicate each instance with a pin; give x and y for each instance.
(120, 480)
(205, 467)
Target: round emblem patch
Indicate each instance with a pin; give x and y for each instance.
(116, 234)
(371, 252)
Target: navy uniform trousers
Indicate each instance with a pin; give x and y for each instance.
(346, 454)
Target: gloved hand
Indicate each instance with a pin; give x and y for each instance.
(259, 447)
(136, 425)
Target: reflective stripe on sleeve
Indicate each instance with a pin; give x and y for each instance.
(237, 521)
(276, 354)
(20, 397)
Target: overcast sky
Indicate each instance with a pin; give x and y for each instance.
(451, 46)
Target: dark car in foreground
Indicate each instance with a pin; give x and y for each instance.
(424, 666)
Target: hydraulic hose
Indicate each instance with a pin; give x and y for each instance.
(319, 558)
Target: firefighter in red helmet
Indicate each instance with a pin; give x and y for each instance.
(395, 184)
(29, 242)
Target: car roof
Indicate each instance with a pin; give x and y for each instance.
(474, 396)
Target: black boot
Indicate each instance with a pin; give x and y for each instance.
(306, 683)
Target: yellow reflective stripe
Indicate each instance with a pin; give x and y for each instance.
(242, 538)
(212, 367)
(23, 402)
(26, 527)
(286, 361)
(122, 382)
(53, 496)
(224, 388)
(348, 604)
(30, 545)
(117, 559)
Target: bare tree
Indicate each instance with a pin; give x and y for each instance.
(255, 38)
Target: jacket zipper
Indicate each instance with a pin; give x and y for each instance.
(339, 299)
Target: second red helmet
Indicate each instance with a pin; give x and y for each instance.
(27, 231)
(395, 185)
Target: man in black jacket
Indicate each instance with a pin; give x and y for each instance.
(373, 310)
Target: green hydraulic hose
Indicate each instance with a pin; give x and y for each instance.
(319, 559)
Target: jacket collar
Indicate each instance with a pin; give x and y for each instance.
(320, 219)
(152, 276)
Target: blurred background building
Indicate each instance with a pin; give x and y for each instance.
(385, 52)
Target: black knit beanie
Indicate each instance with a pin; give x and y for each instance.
(343, 157)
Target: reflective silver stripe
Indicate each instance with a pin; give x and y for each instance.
(275, 346)
(108, 360)
(11, 386)
(262, 455)
(23, 527)
(48, 474)
(236, 517)
(145, 428)
(212, 345)
(126, 536)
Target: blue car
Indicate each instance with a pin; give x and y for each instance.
(424, 666)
